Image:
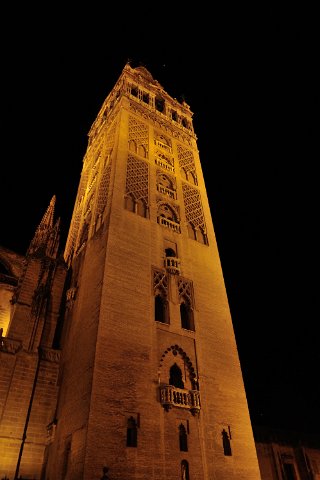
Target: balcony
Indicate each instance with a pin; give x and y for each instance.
(166, 191)
(172, 265)
(162, 145)
(165, 222)
(171, 396)
(164, 165)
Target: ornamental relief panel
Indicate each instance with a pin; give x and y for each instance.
(187, 164)
(193, 206)
(138, 137)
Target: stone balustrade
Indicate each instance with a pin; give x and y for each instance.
(171, 396)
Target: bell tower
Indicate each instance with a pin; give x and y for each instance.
(150, 383)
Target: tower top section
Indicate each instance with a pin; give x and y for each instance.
(139, 86)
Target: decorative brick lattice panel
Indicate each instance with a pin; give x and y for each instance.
(110, 138)
(185, 289)
(75, 226)
(104, 184)
(103, 189)
(139, 132)
(82, 186)
(137, 183)
(89, 205)
(193, 206)
(160, 282)
(186, 161)
(92, 181)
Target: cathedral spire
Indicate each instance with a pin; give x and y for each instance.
(46, 238)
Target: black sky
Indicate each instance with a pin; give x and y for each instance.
(250, 77)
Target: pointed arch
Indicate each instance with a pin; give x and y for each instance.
(175, 378)
(141, 150)
(132, 146)
(130, 203)
(161, 308)
(186, 314)
(168, 211)
(176, 354)
(165, 180)
(191, 231)
(185, 470)
(142, 208)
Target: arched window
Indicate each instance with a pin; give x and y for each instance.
(176, 376)
(186, 315)
(130, 203)
(131, 432)
(192, 231)
(202, 237)
(141, 208)
(193, 178)
(184, 174)
(160, 309)
(132, 146)
(167, 212)
(185, 470)
(170, 252)
(183, 438)
(142, 151)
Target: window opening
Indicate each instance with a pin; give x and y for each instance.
(131, 432)
(160, 309)
(289, 471)
(186, 315)
(159, 103)
(184, 470)
(176, 377)
(145, 97)
(226, 443)
(183, 438)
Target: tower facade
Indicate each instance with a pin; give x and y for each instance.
(150, 384)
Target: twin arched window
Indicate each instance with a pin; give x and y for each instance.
(137, 206)
(161, 313)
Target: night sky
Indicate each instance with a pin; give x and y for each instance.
(250, 77)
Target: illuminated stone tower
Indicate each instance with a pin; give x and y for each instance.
(123, 355)
(150, 380)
